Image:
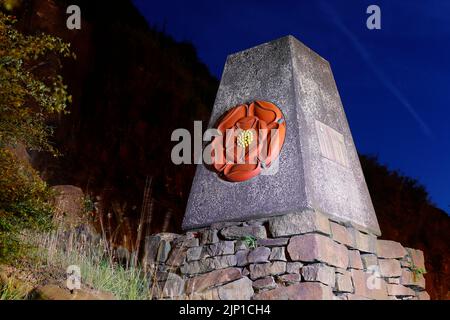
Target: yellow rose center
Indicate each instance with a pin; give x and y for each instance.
(245, 138)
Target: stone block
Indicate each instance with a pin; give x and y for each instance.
(209, 236)
(173, 286)
(177, 256)
(240, 245)
(410, 279)
(191, 242)
(344, 283)
(340, 234)
(212, 279)
(316, 247)
(390, 268)
(423, 295)
(241, 289)
(212, 294)
(299, 291)
(220, 248)
(362, 241)
(157, 247)
(276, 242)
(208, 264)
(355, 261)
(267, 269)
(151, 249)
(417, 258)
(259, 255)
(242, 258)
(320, 273)
(390, 249)
(290, 278)
(163, 251)
(341, 271)
(393, 280)
(399, 290)
(303, 222)
(237, 233)
(277, 254)
(266, 283)
(369, 261)
(354, 297)
(224, 261)
(293, 267)
(197, 267)
(194, 253)
(368, 285)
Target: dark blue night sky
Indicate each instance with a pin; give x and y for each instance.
(394, 82)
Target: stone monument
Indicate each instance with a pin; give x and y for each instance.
(318, 168)
(298, 226)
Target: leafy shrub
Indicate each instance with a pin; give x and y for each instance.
(27, 93)
(30, 90)
(24, 202)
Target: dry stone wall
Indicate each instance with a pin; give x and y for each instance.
(303, 256)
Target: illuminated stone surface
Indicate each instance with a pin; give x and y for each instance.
(318, 166)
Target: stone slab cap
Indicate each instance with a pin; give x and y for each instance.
(318, 166)
(389, 249)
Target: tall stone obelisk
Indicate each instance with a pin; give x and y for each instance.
(318, 166)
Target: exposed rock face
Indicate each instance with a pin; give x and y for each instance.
(73, 216)
(407, 215)
(129, 83)
(317, 266)
(69, 205)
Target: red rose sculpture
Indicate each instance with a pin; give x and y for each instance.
(251, 138)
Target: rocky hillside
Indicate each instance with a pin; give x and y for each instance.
(131, 86)
(406, 215)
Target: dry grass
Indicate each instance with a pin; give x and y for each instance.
(99, 268)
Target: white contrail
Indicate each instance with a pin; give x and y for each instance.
(378, 73)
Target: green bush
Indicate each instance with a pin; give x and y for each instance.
(27, 95)
(24, 202)
(30, 90)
